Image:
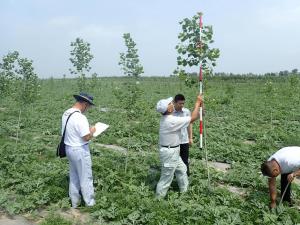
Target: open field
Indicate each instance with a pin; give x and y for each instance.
(246, 120)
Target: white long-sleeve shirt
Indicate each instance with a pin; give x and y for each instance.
(170, 129)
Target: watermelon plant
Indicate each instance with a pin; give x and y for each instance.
(33, 181)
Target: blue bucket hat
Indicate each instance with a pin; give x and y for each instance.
(84, 97)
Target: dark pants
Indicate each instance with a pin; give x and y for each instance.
(283, 183)
(184, 154)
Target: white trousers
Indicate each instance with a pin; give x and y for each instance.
(81, 178)
(171, 163)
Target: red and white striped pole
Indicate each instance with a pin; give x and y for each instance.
(201, 125)
(201, 87)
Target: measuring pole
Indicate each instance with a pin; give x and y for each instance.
(201, 125)
(284, 192)
(201, 88)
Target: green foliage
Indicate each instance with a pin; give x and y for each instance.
(29, 86)
(8, 74)
(53, 219)
(129, 61)
(188, 80)
(94, 81)
(269, 88)
(18, 78)
(294, 82)
(80, 58)
(192, 51)
(294, 71)
(129, 96)
(32, 178)
(228, 95)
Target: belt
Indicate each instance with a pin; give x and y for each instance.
(168, 146)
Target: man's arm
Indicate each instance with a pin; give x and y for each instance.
(273, 191)
(90, 135)
(195, 113)
(190, 133)
(292, 175)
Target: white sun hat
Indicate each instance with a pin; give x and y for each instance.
(162, 105)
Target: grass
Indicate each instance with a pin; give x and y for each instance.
(246, 120)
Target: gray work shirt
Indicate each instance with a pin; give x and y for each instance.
(184, 131)
(170, 129)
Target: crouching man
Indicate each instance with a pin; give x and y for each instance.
(286, 162)
(169, 145)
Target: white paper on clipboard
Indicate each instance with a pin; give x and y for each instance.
(100, 127)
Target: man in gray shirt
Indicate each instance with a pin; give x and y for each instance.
(169, 141)
(186, 133)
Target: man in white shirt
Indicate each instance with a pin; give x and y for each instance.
(169, 141)
(186, 133)
(286, 162)
(77, 136)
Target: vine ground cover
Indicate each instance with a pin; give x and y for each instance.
(246, 120)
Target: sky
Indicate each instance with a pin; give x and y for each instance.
(254, 36)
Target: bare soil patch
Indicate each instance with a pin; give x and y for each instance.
(220, 166)
(113, 147)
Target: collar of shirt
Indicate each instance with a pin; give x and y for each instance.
(175, 111)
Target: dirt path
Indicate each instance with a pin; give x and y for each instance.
(112, 147)
(220, 166)
(16, 220)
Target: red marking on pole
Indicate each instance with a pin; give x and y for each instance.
(200, 84)
(201, 127)
(200, 22)
(200, 73)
